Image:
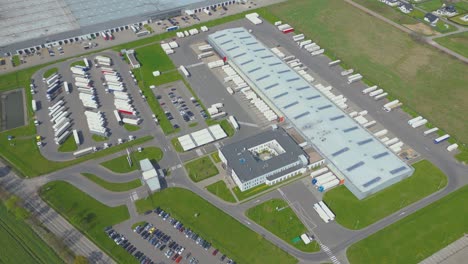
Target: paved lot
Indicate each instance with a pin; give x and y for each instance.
(157, 255)
(75, 107)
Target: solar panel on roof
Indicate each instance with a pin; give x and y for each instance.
(246, 62)
(250, 43)
(350, 129)
(355, 166)
(280, 95)
(380, 155)
(291, 104)
(274, 64)
(369, 183)
(284, 71)
(255, 69)
(271, 86)
(238, 31)
(324, 107)
(246, 37)
(302, 88)
(301, 115)
(266, 57)
(341, 151)
(238, 55)
(257, 50)
(263, 77)
(395, 171)
(233, 48)
(293, 79)
(336, 117)
(220, 36)
(225, 42)
(360, 143)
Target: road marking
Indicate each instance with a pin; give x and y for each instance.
(199, 152)
(179, 166)
(195, 64)
(257, 201)
(247, 222)
(247, 124)
(402, 213)
(134, 196)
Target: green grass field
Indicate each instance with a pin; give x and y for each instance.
(220, 189)
(99, 138)
(22, 152)
(50, 72)
(430, 5)
(456, 42)
(69, 145)
(176, 144)
(458, 19)
(120, 164)
(20, 244)
(16, 61)
(200, 169)
(277, 217)
(215, 157)
(417, 236)
(402, 66)
(113, 186)
(78, 63)
(131, 128)
(87, 215)
(356, 214)
(224, 232)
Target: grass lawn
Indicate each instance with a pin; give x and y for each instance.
(69, 145)
(430, 5)
(417, 236)
(20, 244)
(131, 128)
(23, 154)
(241, 196)
(193, 124)
(120, 164)
(87, 215)
(457, 42)
(458, 20)
(138, 224)
(200, 169)
(220, 189)
(387, 11)
(176, 144)
(78, 63)
(112, 186)
(356, 214)
(403, 67)
(50, 72)
(284, 223)
(16, 61)
(98, 138)
(225, 233)
(215, 157)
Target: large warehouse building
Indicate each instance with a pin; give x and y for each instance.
(351, 151)
(29, 23)
(268, 157)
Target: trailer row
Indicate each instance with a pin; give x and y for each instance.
(324, 212)
(339, 100)
(285, 28)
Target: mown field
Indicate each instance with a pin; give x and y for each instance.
(417, 236)
(420, 76)
(457, 42)
(19, 243)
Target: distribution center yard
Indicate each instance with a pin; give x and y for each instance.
(456, 42)
(417, 236)
(418, 75)
(277, 217)
(225, 233)
(356, 214)
(19, 243)
(87, 215)
(113, 186)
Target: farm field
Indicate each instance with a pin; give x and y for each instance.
(276, 216)
(87, 215)
(224, 232)
(356, 214)
(417, 236)
(20, 244)
(402, 66)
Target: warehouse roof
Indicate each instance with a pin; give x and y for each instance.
(249, 165)
(361, 158)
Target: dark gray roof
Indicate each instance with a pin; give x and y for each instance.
(247, 166)
(431, 17)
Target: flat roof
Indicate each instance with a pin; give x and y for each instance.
(154, 184)
(146, 165)
(248, 166)
(361, 158)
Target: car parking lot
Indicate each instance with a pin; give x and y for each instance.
(75, 107)
(180, 108)
(162, 238)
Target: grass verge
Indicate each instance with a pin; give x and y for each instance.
(220, 189)
(113, 186)
(176, 144)
(277, 217)
(98, 138)
(131, 128)
(120, 164)
(69, 145)
(50, 72)
(16, 61)
(417, 236)
(201, 169)
(78, 63)
(20, 244)
(87, 215)
(356, 214)
(215, 157)
(224, 232)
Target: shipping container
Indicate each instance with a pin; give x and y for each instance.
(131, 121)
(76, 136)
(62, 138)
(184, 71)
(233, 122)
(381, 133)
(419, 123)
